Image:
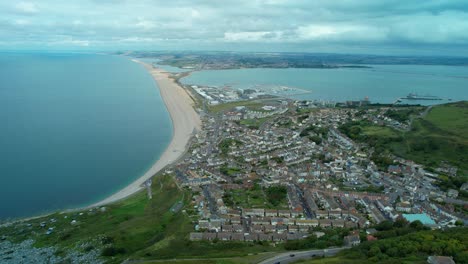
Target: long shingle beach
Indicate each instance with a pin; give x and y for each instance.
(185, 120)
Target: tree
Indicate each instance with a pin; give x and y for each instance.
(374, 251)
(385, 225)
(418, 225)
(400, 222)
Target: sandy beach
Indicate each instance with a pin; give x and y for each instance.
(185, 120)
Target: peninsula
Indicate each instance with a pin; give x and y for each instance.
(185, 120)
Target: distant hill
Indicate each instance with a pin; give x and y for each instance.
(222, 60)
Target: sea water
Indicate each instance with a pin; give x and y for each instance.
(380, 83)
(74, 128)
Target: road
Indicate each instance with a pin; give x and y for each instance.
(293, 256)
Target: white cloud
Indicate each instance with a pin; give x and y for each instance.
(26, 8)
(249, 36)
(445, 27)
(231, 22)
(136, 39)
(145, 24)
(341, 32)
(21, 22)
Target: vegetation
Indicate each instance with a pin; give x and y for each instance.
(278, 159)
(257, 197)
(376, 136)
(226, 144)
(369, 189)
(229, 106)
(135, 228)
(440, 136)
(406, 243)
(402, 115)
(416, 245)
(123, 229)
(332, 238)
(230, 171)
(250, 259)
(254, 123)
(222, 60)
(276, 195)
(445, 183)
(318, 131)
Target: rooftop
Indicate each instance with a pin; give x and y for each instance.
(424, 218)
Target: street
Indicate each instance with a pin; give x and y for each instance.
(292, 256)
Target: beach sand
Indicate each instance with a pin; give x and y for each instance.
(185, 120)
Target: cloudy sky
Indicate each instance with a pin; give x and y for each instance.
(423, 27)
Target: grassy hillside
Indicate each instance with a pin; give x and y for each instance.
(440, 136)
(136, 228)
(118, 230)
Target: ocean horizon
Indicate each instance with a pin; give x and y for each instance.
(76, 128)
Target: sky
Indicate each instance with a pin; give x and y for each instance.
(409, 27)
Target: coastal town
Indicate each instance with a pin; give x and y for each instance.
(256, 170)
(234, 132)
(275, 169)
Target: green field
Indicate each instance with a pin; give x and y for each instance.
(229, 106)
(249, 259)
(440, 136)
(378, 131)
(254, 123)
(257, 197)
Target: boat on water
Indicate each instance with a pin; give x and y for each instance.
(414, 96)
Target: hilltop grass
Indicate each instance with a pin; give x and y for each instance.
(379, 131)
(254, 123)
(452, 118)
(135, 228)
(228, 106)
(442, 135)
(126, 227)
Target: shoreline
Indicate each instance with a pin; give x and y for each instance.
(185, 120)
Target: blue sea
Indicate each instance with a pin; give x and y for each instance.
(381, 83)
(74, 128)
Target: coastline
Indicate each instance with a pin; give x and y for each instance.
(185, 120)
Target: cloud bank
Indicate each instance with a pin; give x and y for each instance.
(366, 26)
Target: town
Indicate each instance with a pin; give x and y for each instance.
(276, 169)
